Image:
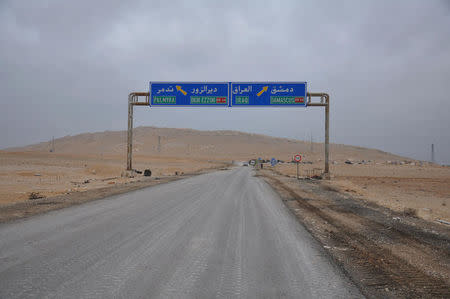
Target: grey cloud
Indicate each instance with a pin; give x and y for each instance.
(67, 67)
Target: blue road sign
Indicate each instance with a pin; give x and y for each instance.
(273, 161)
(189, 94)
(268, 94)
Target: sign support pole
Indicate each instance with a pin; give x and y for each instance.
(324, 102)
(130, 133)
(327, 138)
(297, 169)
(133, 101)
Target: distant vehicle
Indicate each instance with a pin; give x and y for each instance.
(245, 164)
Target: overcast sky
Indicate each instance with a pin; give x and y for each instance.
(66, 67)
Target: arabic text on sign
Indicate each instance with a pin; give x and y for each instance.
(238, 90)
(203, 90)
(275, 90)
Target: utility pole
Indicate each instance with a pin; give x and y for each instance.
(432, 153)
(159, 144)
(52, 147)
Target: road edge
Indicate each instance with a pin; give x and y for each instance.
(27, 209)
(371, 276)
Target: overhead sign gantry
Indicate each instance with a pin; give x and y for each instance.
(228, 94)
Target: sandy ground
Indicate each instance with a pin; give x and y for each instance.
(50, 174)
(425, 189)
(387, 254)
(95, 160)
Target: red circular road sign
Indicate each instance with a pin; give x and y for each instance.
(297, 158)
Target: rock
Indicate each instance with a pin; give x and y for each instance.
(147, 172)
(34, 195)
(127, 174)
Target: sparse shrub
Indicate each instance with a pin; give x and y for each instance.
(330, 188)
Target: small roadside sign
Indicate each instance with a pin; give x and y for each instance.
(252, 162)
(297, 158)
(273, 161)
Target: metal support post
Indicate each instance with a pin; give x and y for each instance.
(324, 97)
(327, 138)
(130, 133)
(132, 101)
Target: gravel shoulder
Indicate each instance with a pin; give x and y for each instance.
(386, 253)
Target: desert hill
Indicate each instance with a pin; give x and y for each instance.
(97, 160)
(165, 142)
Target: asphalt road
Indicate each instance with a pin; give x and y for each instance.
(224, 234)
